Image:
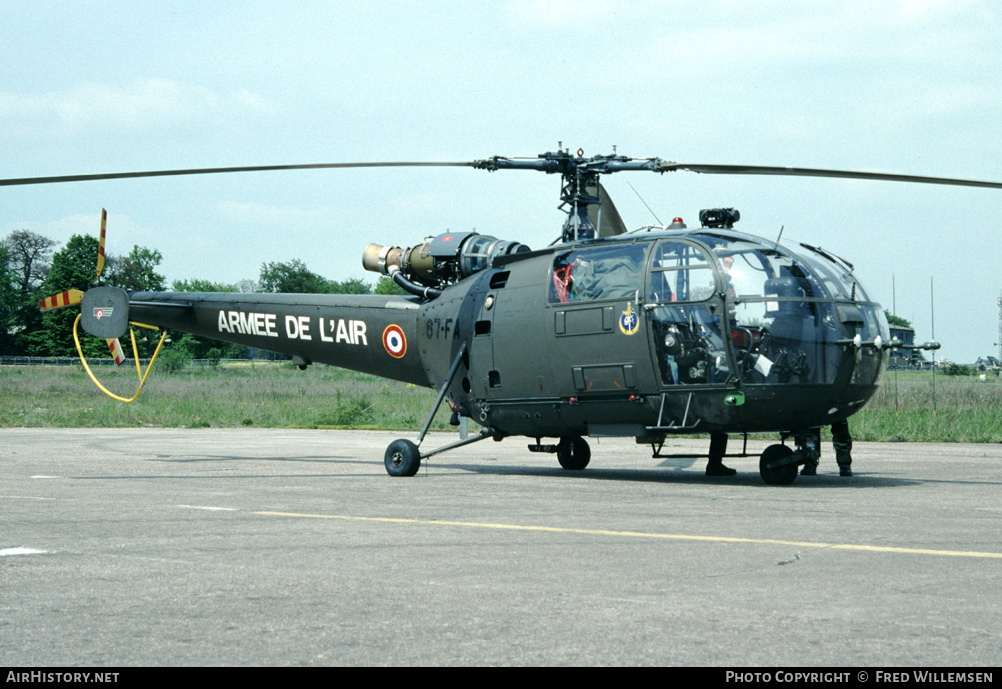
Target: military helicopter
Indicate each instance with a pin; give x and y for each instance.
(605, 332)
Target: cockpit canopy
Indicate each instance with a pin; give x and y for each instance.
(724, 305)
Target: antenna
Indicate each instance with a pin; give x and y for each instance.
(894, 311)
(932, 308)
(661, 223)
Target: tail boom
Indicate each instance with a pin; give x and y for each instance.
(367, 333)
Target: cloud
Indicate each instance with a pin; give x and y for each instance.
(264, 215)
(550, 13)
(123, 231)
(141, 105)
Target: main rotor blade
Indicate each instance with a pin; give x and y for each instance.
(648, 164)
(814, 172)
(214, 170)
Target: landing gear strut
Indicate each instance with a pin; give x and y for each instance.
(403, 458)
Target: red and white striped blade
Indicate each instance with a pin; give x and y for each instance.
(116, 351)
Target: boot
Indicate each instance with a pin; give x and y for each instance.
(718, 447)
(718, 469)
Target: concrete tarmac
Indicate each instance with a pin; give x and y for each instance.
(139, 547)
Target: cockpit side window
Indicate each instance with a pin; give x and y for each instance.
(608, 272)
(686, 325)
(680, 272)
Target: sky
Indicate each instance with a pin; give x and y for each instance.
(908, 86)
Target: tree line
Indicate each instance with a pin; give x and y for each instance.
(31, 268)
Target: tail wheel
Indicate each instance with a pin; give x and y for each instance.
(573, 452)
(402, 458)
(773, 470)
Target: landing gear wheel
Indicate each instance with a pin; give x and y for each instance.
(402, 458)
(782, 475)
(573, 452)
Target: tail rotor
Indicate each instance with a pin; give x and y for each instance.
(104, 312)
(72, 297)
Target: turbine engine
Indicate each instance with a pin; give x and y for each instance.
(424, 269)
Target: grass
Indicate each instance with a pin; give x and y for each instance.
(966, 410)
(273, 395)
(276, 395)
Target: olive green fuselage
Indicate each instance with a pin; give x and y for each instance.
(579, 340)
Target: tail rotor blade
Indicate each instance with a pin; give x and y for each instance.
(71, 297)
(58, 301)
(116, 351)
(100, 245)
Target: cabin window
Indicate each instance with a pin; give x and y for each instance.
(607, 272)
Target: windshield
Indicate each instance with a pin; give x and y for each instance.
(781, 314)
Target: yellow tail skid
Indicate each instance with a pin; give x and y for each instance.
(135, 353)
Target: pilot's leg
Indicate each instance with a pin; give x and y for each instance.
(842, 441)
(718, 447)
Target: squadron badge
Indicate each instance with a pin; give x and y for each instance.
(629, 321)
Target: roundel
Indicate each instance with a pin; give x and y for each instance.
(394, 341)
